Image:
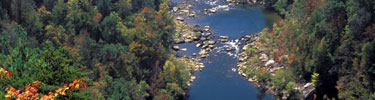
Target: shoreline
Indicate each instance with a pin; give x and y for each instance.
(186, 33)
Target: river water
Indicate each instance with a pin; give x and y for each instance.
(217, 80)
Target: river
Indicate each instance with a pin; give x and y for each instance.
(217, 80)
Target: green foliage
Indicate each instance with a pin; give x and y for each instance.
(315, 79)
(127, 90)
(54, 68)
(124, 7)
(328, 41)
(121, 45)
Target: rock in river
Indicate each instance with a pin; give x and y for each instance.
(175, 9)
(184, 49)
(176, 47)
(212, 10)
(198, 45)
(211, 42)
(206, 28)
(180, 18)
(223, 37)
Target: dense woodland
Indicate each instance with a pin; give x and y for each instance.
(105, 49)
(328, 42)
(119, 49)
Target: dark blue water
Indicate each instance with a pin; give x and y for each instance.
(236, 22)
(217, 81)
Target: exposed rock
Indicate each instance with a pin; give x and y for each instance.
(198, 45)
(202, 52)
(185, 11)
(176, 47)
(223, 37)
(179, 18)
(175, 9)
(205, 46)
(192, 78)
(192, 15)
(263, 57)
(224, 40)
(234, 69)
(184, 49)
(195, 38)
(245, 47)
(206, 28)
(307, 90)
(269, 63)
(211, 46)
(194, 54)
(188, 40)
(208, 34)
(203, 38)
(212, 10)
(211, 42)
(179, 41)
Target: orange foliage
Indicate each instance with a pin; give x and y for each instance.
(98, 17)
(291, 58)
(262, 71)
(31, 92)
(4, 73)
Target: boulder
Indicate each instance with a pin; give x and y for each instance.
(176, 47)
(223, 37)
(202, 52)
(211, 42)
(269, 63)
(263, 57)
(175, 9)
(224, 40)
(179, 18)
(212, 10)
(192, 15)
(195, 38)
(198, 45)
(206, 28)
(184, 49)
(179, 41)
(208, 34)
(245, 47)
(188, 40)
(205, 46)
(211, 46)
(189, 6)
(241, 59)
(185, 11)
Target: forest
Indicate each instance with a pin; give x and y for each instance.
(88, 50)
(329, 43)
(121, 50)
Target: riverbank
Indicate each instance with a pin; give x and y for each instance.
(205, 40)
(186, 33)
(260, 63)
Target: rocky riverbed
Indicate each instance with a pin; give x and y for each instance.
(186, 33)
